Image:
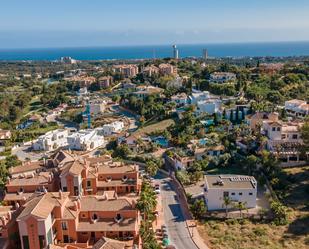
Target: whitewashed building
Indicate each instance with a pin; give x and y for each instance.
(197, 96)
(97, 106)
(297, 108)
(52, 140)
(210, 106)
(222, 77)
(115, 127)
(238, 188)
(85, 140)
(284, 139)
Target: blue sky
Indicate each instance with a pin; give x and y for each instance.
(62, 23)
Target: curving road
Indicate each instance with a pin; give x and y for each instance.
(173, 216)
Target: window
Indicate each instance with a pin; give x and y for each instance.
(274, 129)
(64, 225)
(21, 190)
(278, 128)
(26, 242)
(233, 194)
(225, 194)
(118, 217)
(240, 193)
(250, 193)
(294, 136)
(89, 183)
(94, 217)
(65, 189)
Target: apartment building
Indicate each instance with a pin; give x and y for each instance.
(297, 108)
(114, 127)
(105, 81)
(55, 218)
(20, 189)
(96, 175)
(167, 69)
(238, 188)
(151, 70)
(128, 71)
(222, 77)
(52, 140)
(284, 139)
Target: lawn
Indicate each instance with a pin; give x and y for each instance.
(245, 234)
(160, 126)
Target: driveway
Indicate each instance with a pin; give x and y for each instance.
(173, 216)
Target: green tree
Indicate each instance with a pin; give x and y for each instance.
(227, 202)
(198, 208)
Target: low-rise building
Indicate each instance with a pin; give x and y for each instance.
(222, 77)
(114, 127)
(97, 106)
(209, 106)
(144, 91)
(180, 99)
(237, 188)
(85, 140)
(197, 96)
(297, 108)
(4, 136)
(52, 140)
(284, 140)
(255, 121)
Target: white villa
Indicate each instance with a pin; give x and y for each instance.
(115, 127)
(52, 140)
(97, 106)
(284, 138)
(238, 188)
(222, 77)
(297, 108)
(205, 102)
(61, 138)
(85, 140)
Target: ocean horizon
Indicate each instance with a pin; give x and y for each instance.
(219, 50)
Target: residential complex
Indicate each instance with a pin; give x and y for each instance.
(74, 201)
(128, 71)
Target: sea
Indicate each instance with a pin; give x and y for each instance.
(273, 49)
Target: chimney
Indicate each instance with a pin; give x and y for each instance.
(60, 194)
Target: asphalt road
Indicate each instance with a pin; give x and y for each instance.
(173, 216)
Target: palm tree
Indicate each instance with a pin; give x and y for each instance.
(227, 201)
